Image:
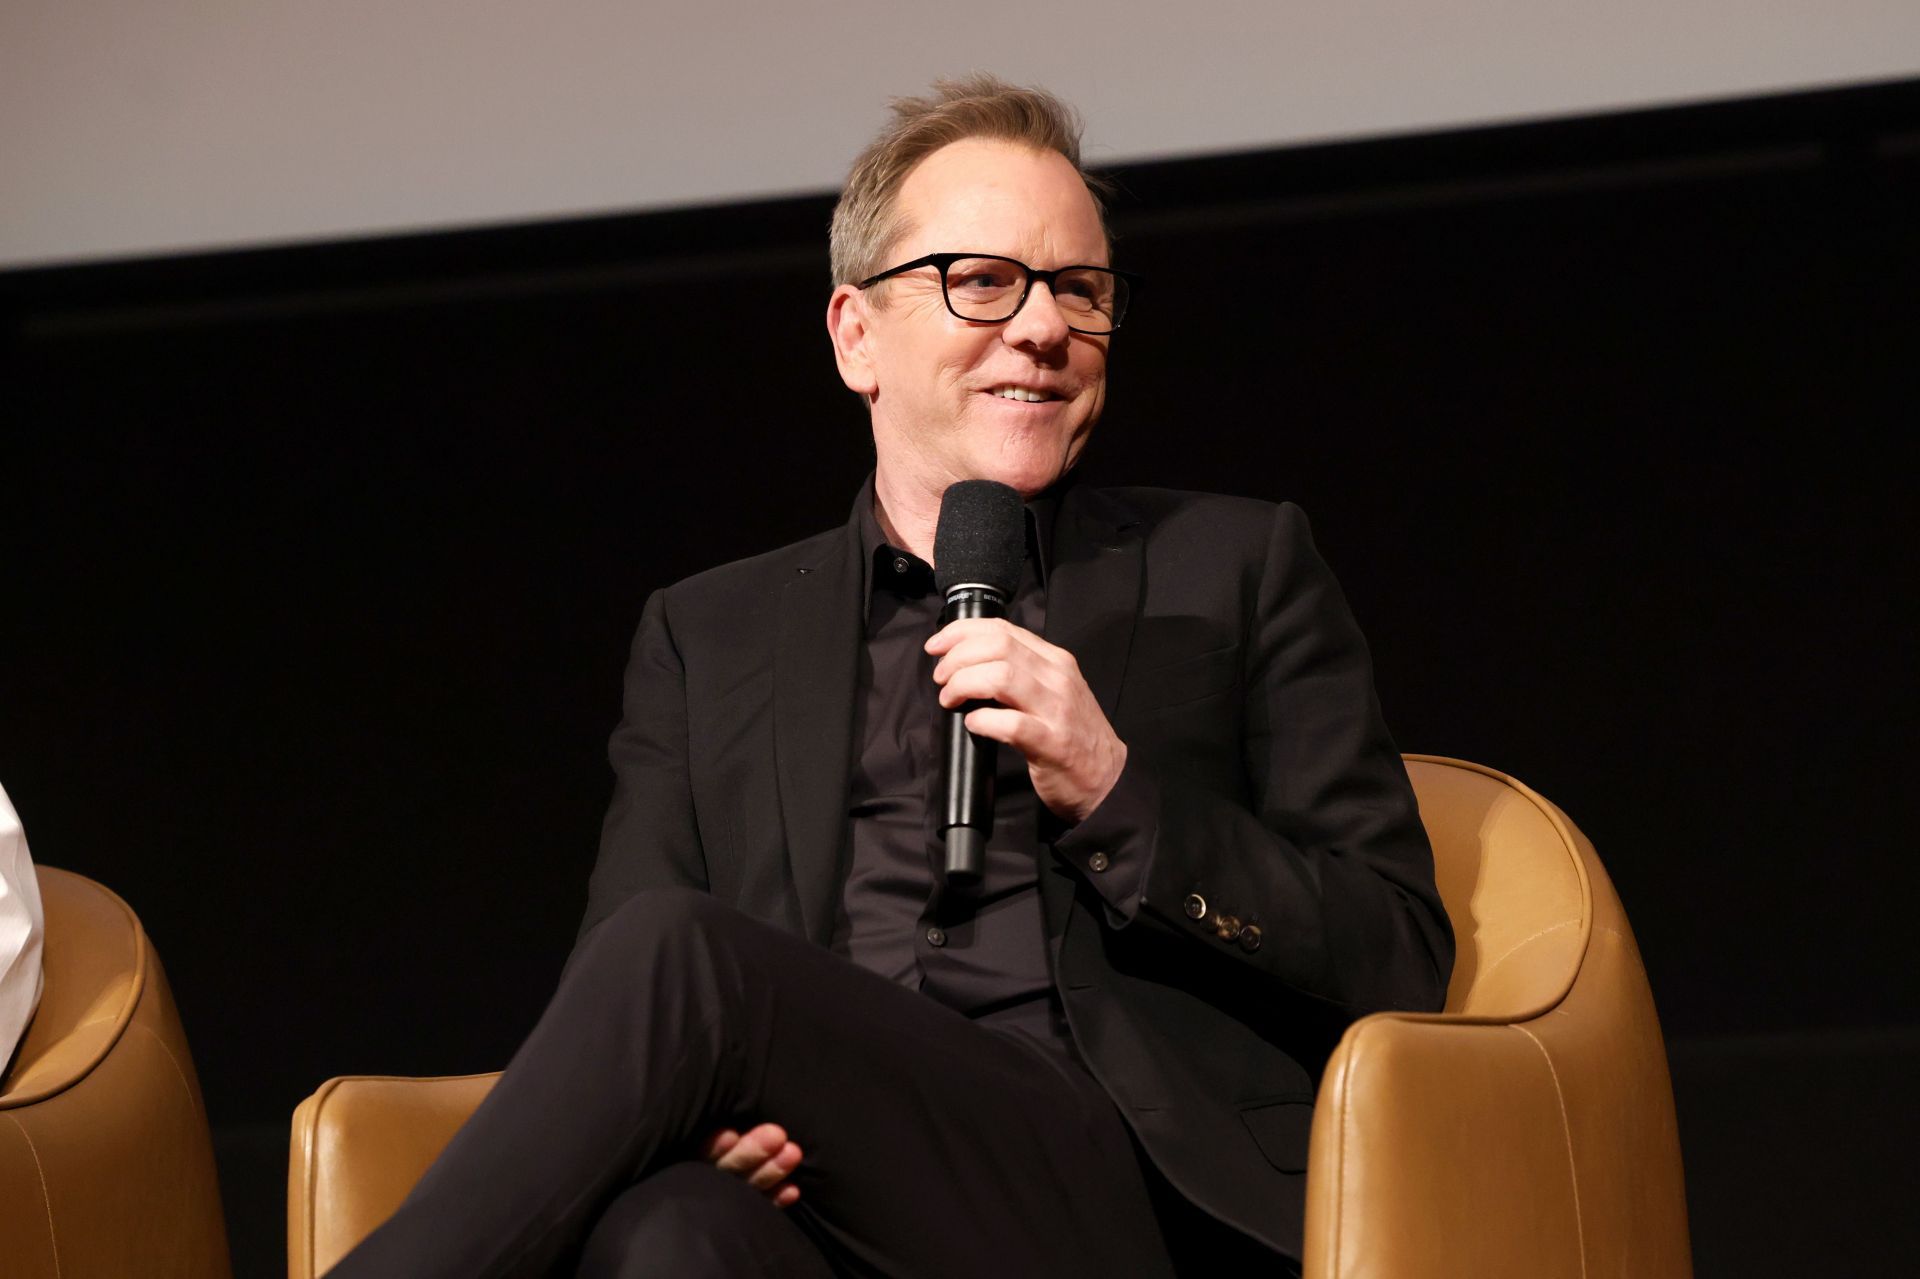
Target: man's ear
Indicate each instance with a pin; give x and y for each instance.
(847, 317)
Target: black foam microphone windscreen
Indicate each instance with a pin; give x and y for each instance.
(981, 539)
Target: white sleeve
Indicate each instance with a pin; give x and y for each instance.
(22, 926)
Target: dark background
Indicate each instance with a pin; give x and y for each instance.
(318, 567)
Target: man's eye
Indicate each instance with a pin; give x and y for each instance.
(981, 279)
(1087, 290)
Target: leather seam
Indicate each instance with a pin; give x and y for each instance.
(1566, 1128)
(1346, 1132)
(1628, 947)
(172, 1060)
(46, 1195)
(1514, 949)
(310, 1157)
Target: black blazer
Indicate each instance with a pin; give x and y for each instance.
(1261, 784)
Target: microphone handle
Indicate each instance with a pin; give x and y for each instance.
(968, 761)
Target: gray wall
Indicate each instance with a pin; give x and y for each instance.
(134, 127)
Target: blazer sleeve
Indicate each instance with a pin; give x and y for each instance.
(1324, 882)
(649, 838)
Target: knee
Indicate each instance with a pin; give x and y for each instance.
(656, 909)
(681, 1220)
(657, 918)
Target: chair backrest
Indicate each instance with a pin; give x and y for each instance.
(1510, 873)
(105, 1154)
(95, 965)
(1528, 1131)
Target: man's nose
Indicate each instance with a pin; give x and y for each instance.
(1039, 322)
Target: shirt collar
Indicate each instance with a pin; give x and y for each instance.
(1041, 513)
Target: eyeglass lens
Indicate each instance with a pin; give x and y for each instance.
(989, 290)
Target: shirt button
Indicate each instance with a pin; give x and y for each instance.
(1195, 906)
(936, 937)
(1098, 861)
(900, 564)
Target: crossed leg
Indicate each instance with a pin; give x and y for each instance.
(933, 1146)
(693, 1219)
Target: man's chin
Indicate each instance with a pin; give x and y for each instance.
(1030, 477)
(1030, 466)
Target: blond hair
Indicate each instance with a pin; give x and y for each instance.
(867, 221)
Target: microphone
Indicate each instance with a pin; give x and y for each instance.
(978, 548)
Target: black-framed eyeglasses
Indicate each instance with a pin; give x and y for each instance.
(988, 289)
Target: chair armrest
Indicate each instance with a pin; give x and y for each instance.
(1526, 1148)
(359, 1145)
(1439, 1149)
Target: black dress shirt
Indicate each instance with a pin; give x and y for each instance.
(981, 952)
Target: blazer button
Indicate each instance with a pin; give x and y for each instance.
(1195, 906)
(1226, 927)
(1250, 938)
(1098, 862)
(936, 937)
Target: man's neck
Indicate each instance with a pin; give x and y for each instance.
(908, 514)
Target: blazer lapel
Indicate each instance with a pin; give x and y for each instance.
(1093, 600)
(815, 670)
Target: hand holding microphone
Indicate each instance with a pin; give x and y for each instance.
(1003, 684)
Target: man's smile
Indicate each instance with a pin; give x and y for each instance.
(1025, 394)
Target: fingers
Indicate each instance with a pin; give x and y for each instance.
(995, 636)
(763, 1156)
(988, 659)
(1038, 702)
(1002, 682)
(776, 1169)
(1008, 727)
(744, 1155)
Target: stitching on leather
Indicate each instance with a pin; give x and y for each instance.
(1627, 947)
(171, 1060)
(1566, 1128)
(310, 1157)
(46, 1195)
(1514, 949)
(1346, 1131)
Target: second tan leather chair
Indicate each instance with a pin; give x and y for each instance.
(1528, 1131)
(106, 1164)
(1525, 1133)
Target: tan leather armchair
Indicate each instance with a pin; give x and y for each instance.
(106, 1163)
(1527, 1132)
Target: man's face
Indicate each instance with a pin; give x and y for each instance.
(936, 384)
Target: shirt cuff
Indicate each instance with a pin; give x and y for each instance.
(1113, 847)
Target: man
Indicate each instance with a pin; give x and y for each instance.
(1205, 862)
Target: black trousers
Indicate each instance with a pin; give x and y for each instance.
(933, 1146)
